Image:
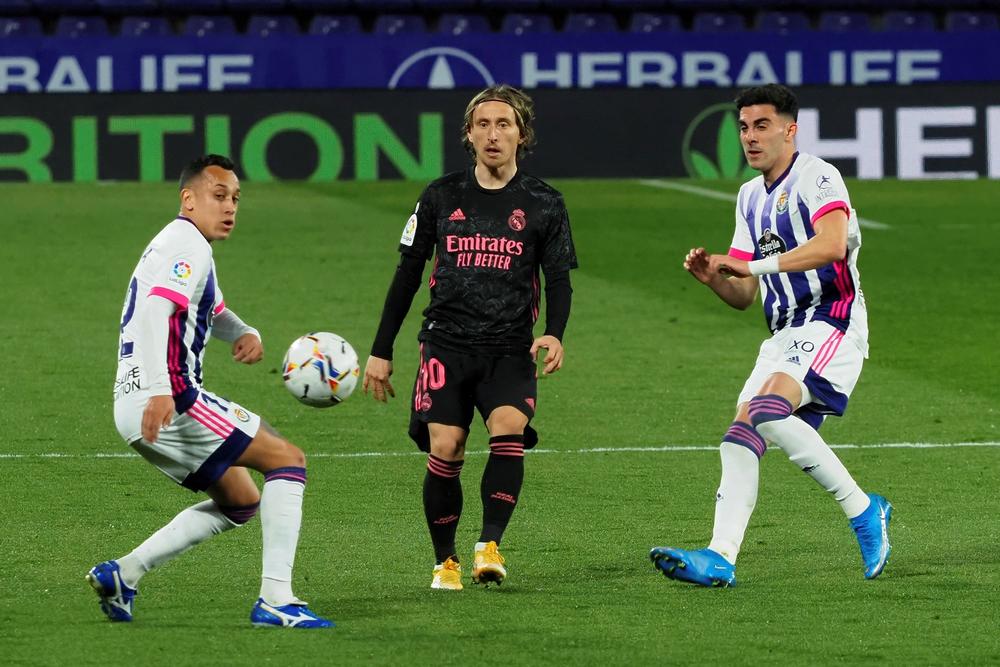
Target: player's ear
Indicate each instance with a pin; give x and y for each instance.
(792, 130)
(187, 197)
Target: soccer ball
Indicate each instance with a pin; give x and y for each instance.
(320, 369)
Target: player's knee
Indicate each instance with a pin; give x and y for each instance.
(294, 457)
(768, 408)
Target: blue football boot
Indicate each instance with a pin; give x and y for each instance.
(296, 615)
(703, 567)
(116, 597)
(872, 529)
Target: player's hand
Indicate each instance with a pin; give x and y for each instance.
(696, 263)
(248, 349)
(377, 372)
(554, 356)
(158, 414)
(729, 266)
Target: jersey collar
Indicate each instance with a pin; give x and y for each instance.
(784, 175)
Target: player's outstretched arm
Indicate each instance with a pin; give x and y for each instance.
(736, 291)
(827, 246)
(377, 373)
(554, 353)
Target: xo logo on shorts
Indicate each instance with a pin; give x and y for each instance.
(801, 345)
(182, 270)
(241, 414)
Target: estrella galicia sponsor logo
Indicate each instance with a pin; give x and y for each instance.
(771, 244)
(441, 67)
(711, 145)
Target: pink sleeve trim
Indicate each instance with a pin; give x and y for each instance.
(740, 254)
(170, 295)
(219, 308)
(832, 206)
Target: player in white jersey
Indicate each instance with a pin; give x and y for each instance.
(796, 241)
(203, 442)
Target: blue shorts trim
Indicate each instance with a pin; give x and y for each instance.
(221, 459)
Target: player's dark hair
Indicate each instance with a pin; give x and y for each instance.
(198, 165)
(780, 97)
(524, 115)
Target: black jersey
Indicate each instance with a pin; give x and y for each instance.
(488, 246)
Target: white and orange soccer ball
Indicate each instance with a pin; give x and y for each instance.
(320, 369)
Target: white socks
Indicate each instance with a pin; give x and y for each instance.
(280, 517)
(192, 526)
(735, 500)
(807, 449)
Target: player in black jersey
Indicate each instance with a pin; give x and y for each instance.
(490, 228)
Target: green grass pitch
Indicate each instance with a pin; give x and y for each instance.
(653, 360)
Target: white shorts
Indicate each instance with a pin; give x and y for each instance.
(199, 445)
(826, 362)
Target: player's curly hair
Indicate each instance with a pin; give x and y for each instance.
(524, 114)
(198, 165)
(780, 97)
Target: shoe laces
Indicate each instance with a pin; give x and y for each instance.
(491, 553)
(451, 564)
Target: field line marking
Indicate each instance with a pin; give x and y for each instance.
(588, 450)
(725, 196)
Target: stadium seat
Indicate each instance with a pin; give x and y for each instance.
(64, 6)
(435, 6)
(329, 24)
(463, 24)
(902, 21)
(208, 26)
(637, 5)
(320, 6)
(195, 7)
(384, 6)
(263, 7)
(267, 26)
(967, 21)
(21, 26)
(844, 21)
(646, 22)
(718, 22)
(514, 6)
(120, 7)
(782, 22)
(571, 5)
(581, 22)
(522, 24)
(14, 7)
(144, 26)
(394, 24)
(81, 26)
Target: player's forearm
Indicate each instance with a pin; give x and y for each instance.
(405, 284)
(739, 293)
(558, 300)
(228, 326)
(156, 327)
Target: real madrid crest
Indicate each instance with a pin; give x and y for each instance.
(782, 202)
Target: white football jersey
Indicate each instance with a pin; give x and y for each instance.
(176, 265)
(773, 220)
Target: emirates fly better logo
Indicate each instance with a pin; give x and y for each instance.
(711, 145)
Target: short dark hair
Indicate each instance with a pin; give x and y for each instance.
(780, 97)
(198, 165)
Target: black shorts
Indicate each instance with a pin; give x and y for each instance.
(450, 384)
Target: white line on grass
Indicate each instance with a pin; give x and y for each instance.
(589, 450)
(725, 196)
